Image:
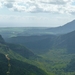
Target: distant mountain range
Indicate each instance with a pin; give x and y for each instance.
(27, 31)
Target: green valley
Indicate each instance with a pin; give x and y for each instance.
(38, 51)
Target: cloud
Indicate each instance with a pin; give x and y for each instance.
(34, 21)
(0, 5)
(36, 6)
(60, 2)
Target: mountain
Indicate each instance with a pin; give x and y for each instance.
(23, 51)
(44, 43)
(69, 27)
(20, 59)
(38, 44)
(1, 40)
(18, 67)
(66, 41)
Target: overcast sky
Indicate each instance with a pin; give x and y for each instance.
(36, 13)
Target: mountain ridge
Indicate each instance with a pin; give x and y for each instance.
(68, 27)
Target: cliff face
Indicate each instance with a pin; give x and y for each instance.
(1, 40)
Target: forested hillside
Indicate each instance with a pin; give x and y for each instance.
(38, 44)
(18, 67)
(16, 56)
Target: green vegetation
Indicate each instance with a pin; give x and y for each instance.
(18, 67)
(56, 52)
(71, 66)
(35, 52)
(19, 64)
(38, 44)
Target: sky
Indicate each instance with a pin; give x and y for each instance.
(36, 13)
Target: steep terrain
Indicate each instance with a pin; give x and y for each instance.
(18, 67)
(69, 27)
(18, 60)
(38, 44)
(23, 51)
(2, 40)
(66, 41)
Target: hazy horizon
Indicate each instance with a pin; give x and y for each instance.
(36, 13)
